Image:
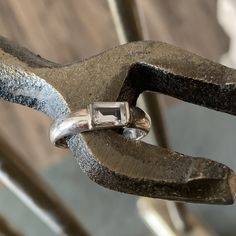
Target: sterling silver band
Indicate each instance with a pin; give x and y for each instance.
(101, 115)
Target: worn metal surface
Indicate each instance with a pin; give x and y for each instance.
(122, 74)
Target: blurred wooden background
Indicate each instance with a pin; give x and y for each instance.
(66, 31)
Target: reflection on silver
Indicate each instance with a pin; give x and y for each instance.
(101, 115)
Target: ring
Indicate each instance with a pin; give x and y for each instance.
(135, 123)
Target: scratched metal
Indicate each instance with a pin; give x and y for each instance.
(123, 73)
(29, 90)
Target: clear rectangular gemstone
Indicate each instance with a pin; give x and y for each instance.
(109, 114)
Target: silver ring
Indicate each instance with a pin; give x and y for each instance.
(101, 115)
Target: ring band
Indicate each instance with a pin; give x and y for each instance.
(101, 115)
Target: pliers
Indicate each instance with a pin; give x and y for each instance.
(122, 74)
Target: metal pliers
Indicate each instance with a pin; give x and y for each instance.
(122, 74)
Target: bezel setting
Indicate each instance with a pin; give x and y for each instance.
(109, 114)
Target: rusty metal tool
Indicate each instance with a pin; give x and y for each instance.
(122, 74)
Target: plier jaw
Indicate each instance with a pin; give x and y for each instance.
(122, 74)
